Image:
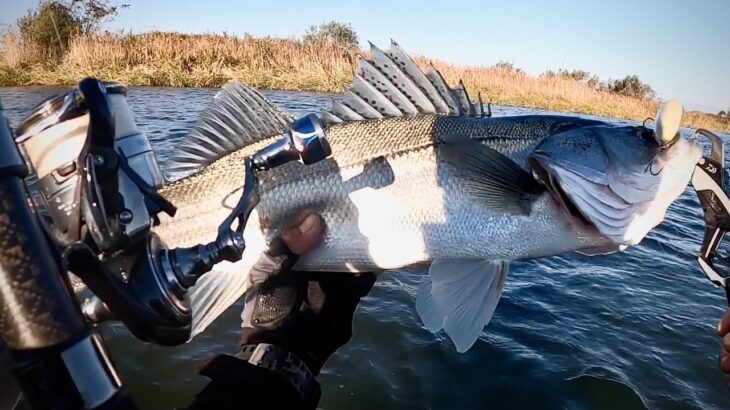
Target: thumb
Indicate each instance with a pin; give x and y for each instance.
(723, 327)
(305, 235)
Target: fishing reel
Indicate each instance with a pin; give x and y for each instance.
(97, 181)
(710, 180)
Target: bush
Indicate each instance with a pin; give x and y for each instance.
(94, 13)
(632, 86)
(50, 26)
(52, 23)
(581, 76)
(335, 32)
(507, 66)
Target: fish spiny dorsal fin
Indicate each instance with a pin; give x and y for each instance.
(409, 67)
(374, 97)
(383, 84)
(346, 113)
(390, 84)
(401, 81)
(438, 81)
(463, 99)
(238, 116)
(479, 106)
(360, 106)
(330, 118)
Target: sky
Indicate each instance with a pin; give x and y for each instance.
(681, 48)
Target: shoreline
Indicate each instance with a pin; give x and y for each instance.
(208, 60)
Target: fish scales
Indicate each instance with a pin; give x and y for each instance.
(463, 193)
(392, 161)
(352, 143)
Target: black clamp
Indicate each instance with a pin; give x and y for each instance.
(709, 180)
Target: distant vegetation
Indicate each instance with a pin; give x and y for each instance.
(322, 60)
(51, 25)
(630, 85)
(339, 33)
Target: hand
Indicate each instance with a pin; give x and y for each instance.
(723, 330)
(307, 313)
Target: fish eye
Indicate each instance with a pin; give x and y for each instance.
(647, 134)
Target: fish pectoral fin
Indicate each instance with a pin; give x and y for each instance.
(461, 296)
(494, 179)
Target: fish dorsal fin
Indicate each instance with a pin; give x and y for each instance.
(443, 89)
(461, 296)
(462, 98)
(390, 84)
(238, 116)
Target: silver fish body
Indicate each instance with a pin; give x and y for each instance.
(387, 200)
(418, 175)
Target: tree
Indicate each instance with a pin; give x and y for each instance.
(722, 114)
(333, 31)
(580, 76)
(50, 25)
(508, 66)
(632, 86)
(92, 14)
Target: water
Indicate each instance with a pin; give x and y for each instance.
(645, 318)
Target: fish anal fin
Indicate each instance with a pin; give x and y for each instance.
(463, 295)
(426, 307)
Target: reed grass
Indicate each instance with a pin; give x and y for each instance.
(209, 60)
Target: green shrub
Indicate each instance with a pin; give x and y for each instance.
(50, 26)
(333, 31)
(52, 23)
(632, 86)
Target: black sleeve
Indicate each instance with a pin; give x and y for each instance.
(236, 384)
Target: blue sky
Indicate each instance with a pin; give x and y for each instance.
(681, 48)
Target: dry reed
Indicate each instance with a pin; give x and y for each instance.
(181, 60)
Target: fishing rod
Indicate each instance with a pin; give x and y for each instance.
(96, 181)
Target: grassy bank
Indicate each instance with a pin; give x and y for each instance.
(179, 60)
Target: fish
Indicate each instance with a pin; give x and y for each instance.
(421, 175)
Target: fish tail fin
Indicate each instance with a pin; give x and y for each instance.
(238, 116)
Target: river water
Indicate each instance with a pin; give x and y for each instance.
(629, 330)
